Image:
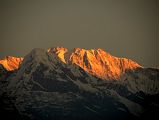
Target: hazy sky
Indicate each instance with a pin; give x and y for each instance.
(124, 28)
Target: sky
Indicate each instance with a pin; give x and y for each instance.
(123, 28)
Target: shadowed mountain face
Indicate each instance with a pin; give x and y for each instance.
(78, 84)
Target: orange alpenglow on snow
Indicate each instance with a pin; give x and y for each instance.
(11, 63)
(59, 51)
(101, 64)
(96, 62)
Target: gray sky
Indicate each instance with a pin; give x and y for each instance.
(124, 28)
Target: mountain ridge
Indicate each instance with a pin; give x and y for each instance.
(60, 84)
(96, 62)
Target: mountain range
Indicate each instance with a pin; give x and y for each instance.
(62, 84)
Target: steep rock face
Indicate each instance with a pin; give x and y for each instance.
(59, 51)
(56, 84)
(96, 62)
(45, 67)
(11, 63)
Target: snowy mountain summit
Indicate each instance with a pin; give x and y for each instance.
(96, 62)
(77, 84)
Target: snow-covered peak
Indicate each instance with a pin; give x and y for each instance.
(59, 51)
(38, 56)
(11, 63)
(96, 62)
(100, 63)
(37, 51)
